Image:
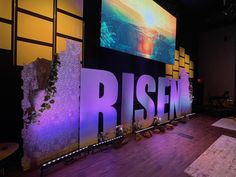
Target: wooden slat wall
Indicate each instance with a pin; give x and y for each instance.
(182, 60)
(39, 28)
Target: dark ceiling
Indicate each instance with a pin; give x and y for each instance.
(196, 16)
(209, 13)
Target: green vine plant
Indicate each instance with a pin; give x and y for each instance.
(50, 93)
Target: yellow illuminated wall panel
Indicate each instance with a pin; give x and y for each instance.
(181, 52)
(169, 69)
(5, 36)
(181, 62)
(176, 75)
(72, 6)
(187, 58)
(28, 52)
(187, 68)
(69, 26)
(61, 46)
(43, 7)
(176, 65)
(191, 74)
(34, 28)
(176, 55)
(6, 9)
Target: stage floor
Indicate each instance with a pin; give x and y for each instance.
(162, 155)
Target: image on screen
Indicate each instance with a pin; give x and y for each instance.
(138, 27)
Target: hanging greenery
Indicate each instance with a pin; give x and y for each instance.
(51, 87)
(50, 93)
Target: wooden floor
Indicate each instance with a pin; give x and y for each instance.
(162, 155)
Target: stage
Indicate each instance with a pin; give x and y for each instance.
(117, 89)
(164, 154)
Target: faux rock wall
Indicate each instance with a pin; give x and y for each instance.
(57, 129)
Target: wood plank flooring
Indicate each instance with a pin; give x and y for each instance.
(162, 155)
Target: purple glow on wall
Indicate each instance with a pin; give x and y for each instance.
(127, 102)
(142, 97)
(162, 98)
(92, 104)
(174, 100)
(58, 129)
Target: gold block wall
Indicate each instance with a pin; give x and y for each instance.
(182, 60)
(38, 28)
